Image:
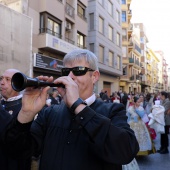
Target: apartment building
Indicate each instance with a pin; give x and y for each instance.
(131, 79)
(144, 62)
(154, 76)
(104, 39)
(132, 66)
(164, 69)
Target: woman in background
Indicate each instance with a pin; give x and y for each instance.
(137, 119)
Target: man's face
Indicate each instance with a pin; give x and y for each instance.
(84, 82)
(5, 85)
(162, 97)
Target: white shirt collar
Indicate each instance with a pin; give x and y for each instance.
(91, 99)
(13, 98)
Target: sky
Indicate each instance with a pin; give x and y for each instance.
(155, 15)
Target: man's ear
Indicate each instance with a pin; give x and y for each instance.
(95, 76)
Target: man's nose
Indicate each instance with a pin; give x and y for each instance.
(71, 74)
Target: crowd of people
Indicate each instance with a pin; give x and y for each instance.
(148, 115)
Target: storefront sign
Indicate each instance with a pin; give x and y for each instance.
(46, 62)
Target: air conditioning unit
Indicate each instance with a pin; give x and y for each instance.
(68, 26)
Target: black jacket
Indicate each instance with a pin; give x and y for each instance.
(99, 137)
(7, 162)
(5, 119)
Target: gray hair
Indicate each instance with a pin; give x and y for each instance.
(78, 55)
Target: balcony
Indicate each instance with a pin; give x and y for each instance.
(135, 78)
(69, 41)
(54, 43)
(129, 14)
(130, 46)
(132, 78)
(51, 32)
(125, 78)
(131, 60)
(130, 29)
(135, 63)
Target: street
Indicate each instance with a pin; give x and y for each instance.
(155, 161)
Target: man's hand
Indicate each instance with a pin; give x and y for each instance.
(71, 91)
(33, 101)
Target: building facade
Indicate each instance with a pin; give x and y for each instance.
(104, 39)
(60, 26)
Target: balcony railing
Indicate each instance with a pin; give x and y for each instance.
(81, 46)
(69, 40)
(47, 30)
(136, 62)
(131, 60)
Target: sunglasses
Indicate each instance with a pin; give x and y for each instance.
(77, 71)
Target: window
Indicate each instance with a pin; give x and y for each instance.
(123, 1)
(110, 8)
(111, 55)
(101, 25)
(118, 39)
(118, 62)
(91, 18)
(110, 33)
(117, 16)
(101, 54)
(53, 28)
(81, 10)
(69, 10)
(123, 16)
(124, 51)
(50, 24)
(91, 47)
(80, 40)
